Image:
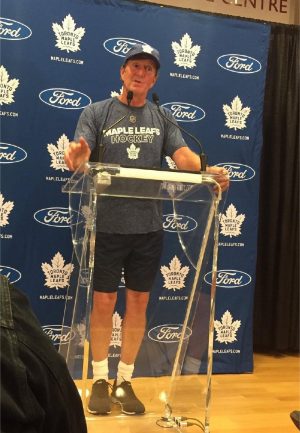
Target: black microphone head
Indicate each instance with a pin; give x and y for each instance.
(155, 98)
(129, 96)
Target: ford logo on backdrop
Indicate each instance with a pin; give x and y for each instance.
(178, 223)
(55, 217)
(13, 30)
(67, 99)
(229, 278)
(59, 334)
(239, 63)
(11, 274)
(238, 172)
(9, 153)
(184, 112)
(120, 46)
(168, 333)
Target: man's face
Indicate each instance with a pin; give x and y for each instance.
(139, 75)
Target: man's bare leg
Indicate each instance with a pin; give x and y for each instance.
(100, 330)
(134, 324)
(133, 329)
(101, 324)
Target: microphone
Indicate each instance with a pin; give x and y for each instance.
(129, 98)
(203, 157)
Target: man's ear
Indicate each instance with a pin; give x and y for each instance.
(122, 70)
(154, 81)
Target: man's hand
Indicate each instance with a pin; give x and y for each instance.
(77, 153)
(186, 159)
(222, 176)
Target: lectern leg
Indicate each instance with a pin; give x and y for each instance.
(86, 349)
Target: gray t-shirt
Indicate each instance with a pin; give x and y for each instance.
(140, 140)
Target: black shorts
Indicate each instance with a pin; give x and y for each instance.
(138, 254)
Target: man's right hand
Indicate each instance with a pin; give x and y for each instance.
(77, 153)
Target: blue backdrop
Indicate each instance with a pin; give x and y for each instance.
(60, 56)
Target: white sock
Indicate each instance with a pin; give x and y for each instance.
(100, 370)
(124, 372)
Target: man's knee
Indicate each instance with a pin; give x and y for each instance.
(136, 301)
(104, 302)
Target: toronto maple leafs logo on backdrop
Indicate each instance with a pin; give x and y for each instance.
(116, 336)
(175, 275)
(236, 114)
(57, 153)
(57, 274)
(185, 52)
(231, 222)
(7, 87)
(67, 36)
(114, 93)
(226, 329)
(5, 210)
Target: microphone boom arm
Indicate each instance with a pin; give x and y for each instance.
(202, 156)
(103, 132)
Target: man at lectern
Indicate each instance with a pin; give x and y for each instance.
(128, 130)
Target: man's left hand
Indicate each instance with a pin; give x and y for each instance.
(222, 176)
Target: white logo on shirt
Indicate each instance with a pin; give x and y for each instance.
(133, 152)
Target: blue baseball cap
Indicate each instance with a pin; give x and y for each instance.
(143, 51)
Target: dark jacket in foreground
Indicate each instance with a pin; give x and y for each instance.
(38, 394)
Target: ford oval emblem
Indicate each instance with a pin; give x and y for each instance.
(239, 63)
(10, 153)
(168, 333)
(185, 112)
(53, 216)
(179, 223)
(59, 334)
(238, 172)
(13, 275)
(13, 30)
(120, 46)
(66, 99)
(229, 278)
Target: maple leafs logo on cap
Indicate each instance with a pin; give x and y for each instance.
(147, 49)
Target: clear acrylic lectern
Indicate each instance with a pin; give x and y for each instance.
(173, 369)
